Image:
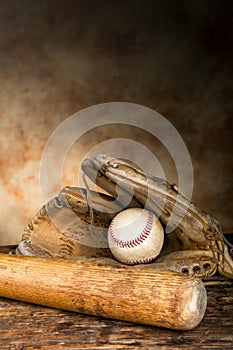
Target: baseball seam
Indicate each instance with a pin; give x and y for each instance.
(139, 261)
(138, 240)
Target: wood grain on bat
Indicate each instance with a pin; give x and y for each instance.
(105, 288)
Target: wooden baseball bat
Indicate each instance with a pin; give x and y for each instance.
(104, 287)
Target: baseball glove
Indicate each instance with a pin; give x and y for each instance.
(75, 223)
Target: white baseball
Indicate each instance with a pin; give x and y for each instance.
(135, 236)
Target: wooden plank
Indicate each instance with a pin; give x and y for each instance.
(27, 326)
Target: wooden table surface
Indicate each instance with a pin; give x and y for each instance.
(26, 326)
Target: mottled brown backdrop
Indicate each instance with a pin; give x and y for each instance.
(57, 57)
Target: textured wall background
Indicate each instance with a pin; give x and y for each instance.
(57, 57)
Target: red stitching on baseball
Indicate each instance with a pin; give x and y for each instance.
(138, 240)
(139, 261)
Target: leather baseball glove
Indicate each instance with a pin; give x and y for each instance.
(75, 223)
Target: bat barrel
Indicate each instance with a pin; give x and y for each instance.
(106, 288)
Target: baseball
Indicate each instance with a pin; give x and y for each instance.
(135, 236)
